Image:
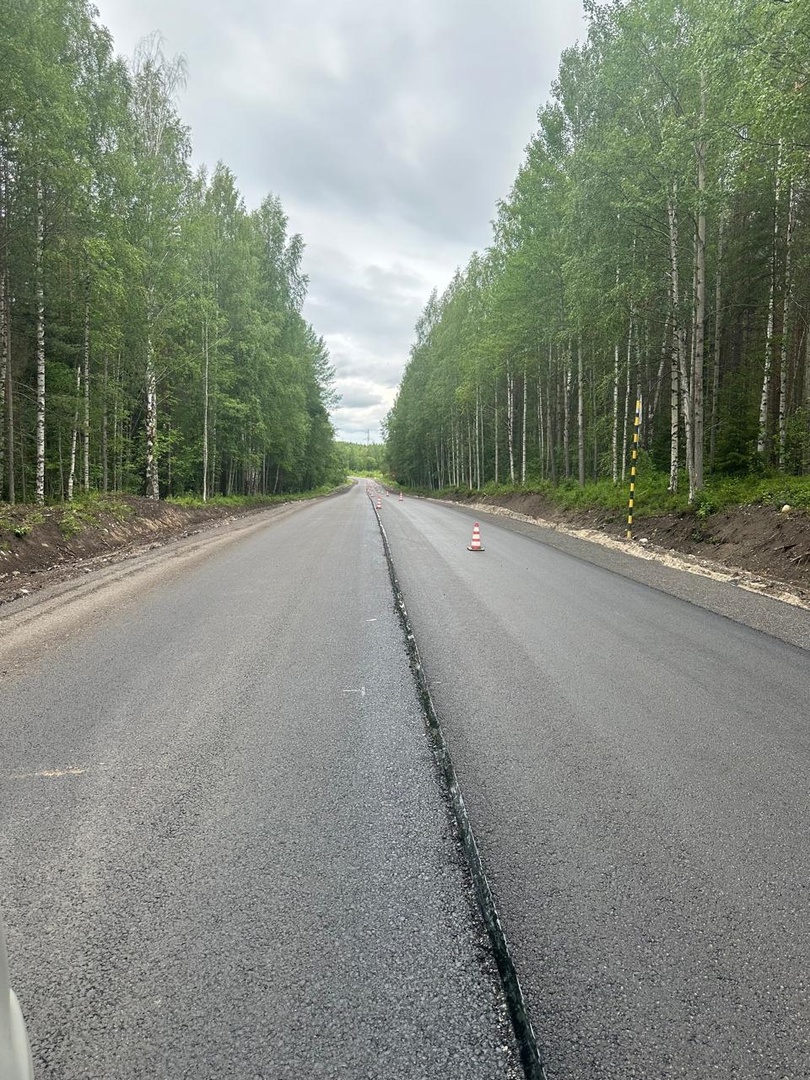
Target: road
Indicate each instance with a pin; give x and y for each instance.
(636, 768)
(225, 847)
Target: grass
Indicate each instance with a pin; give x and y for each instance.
(89, 509)
(20, 525)
(652, 497)
(247, 501)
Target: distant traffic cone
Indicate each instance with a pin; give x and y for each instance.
(476, 539)
(379, 503)
(400, 497)
(387, 493)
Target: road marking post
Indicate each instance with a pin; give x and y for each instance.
(633, 460)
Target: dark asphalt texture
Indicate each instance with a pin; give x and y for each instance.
(224, 847)
(636, 767)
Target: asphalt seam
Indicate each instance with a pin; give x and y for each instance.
(518, 1011)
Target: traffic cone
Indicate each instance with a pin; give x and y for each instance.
(476, 539)
(379, 503)
(400, 497)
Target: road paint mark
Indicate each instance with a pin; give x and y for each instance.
(361, 691)
(49, 774)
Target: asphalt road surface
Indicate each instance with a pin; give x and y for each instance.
(224, 845)
(637, 769)
(225, 850)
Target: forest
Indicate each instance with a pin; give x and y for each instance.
(651, 258)
(151, 335)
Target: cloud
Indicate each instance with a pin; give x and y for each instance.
(388, 130)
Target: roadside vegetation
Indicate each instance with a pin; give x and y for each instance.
(151, 335)
(652, 495)
(649, 271)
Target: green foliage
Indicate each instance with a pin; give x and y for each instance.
(675, 141)
(155, 279)
(19, 526)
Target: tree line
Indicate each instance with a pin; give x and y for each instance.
(151, 335)
(654, 248)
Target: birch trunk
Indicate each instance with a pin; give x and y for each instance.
(105, 449)
(510, 421)
(86, 377)
(765, 396)
(39, 306)
(6, 383)
(580, 416)
(626, 415)
(786, 307)
(614, 442)
(718, 326)
(679, 339)
(568, 378)
(152, 485)
(696, 477)
(478, 436)
(523, 432)
(497, 474)
(205, 408)
(74, 438)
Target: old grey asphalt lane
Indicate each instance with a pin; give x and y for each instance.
(637, 770)
(224, 849)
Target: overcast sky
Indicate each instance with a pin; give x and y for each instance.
(389, 129)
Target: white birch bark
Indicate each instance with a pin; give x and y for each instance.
(510, 421)
(614, 441)
(86, 377)
(786, 323)
(152, 484)
(765, 396)
(568, 378)
(679, 340)
(105, 449)
(4, 359)
(39, 305)
(497, 474)
(696, 478)
(580, 416)
(523, 432)
(74, 437)
(205, 408)
(626, 408)
(718, 328)
(6, 382)
(541, 431)
(478, 436)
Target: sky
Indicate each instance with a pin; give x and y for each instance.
(388, 128)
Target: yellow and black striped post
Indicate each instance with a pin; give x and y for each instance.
(633, 460)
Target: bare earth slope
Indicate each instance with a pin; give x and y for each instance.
(768, 548)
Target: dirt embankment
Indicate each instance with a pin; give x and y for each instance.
(769, 545)
(40, 547)
(44, 546)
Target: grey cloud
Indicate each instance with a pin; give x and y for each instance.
(388, 131)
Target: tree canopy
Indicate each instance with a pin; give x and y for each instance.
(654, 248)
(151, 335)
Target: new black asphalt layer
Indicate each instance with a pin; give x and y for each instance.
(636, 770)
(224, 847)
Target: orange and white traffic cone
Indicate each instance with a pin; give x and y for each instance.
(476, 539)
(400, 497)
(379, 503)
